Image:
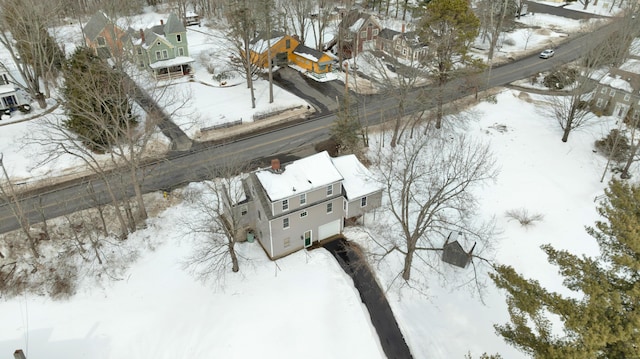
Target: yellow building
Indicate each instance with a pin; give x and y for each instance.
(287, 50)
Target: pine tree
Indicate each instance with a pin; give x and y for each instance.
(602, 320)
(96, 100)
(347, 130)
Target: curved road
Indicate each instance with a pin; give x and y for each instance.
(200, 161)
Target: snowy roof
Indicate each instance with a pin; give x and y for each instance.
(299, 176)
(190, 13)
(617, 83)
(261, 45)
(357, 179)
(7, 89)
(631, 65)
(357, 25)
(308, 53)
(180, 60)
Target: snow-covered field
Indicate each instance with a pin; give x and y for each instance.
(304, 305)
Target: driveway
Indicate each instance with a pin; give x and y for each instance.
(321, 95)
(372, 296)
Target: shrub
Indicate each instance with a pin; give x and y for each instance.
(523, 217)
(615, 145)
(561, 78)
(509, 42)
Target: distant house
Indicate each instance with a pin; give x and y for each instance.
(191, 18)
(312, 60)
(163, 49)
(11, 98)
(285, 50)
(104, 36)
(279, 45)
(357, 32)
(307, 200)
(400, 44)
(617, 91)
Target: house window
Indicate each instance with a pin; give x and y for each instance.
(158, 55)
(139, 51)
(599, 103)
(603, 91)
(4, 80)
(287, 43)
(285, 223)
(344, 205)
(165, 54)
(374, 32)
(404, 51)
(259, 216)
(329, 207)
(612, 92)
(329, 190)
(627, 97)
(363, 202)
(363, 34)
(179, 38)
(141, 64)
(180, 51)
(101, 41)
(303, 199)
(303, 214)
(243, 212)
(285, 204)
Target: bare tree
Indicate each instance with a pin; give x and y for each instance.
(220, 225)
(242, 25)
(429, 183)
(24, 27)
(10, 194)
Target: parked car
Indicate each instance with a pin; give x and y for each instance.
(547, 54)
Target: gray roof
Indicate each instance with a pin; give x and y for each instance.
(307, 50)
(455, 255)
(95, 25)
(173, 25)
(262, 35)
(388, 33)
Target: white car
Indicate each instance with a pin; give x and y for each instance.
(547, 54)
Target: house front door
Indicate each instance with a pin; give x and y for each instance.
(307, 239)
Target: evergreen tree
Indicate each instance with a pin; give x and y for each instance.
(97, 101)
(347, 130)
(602, 320)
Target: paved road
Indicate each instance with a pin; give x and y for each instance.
(200, 161)
(373, 297)
(535, 7)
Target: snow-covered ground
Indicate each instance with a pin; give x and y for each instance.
(304, 305)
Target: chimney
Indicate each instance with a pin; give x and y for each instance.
(275, 165)
(403, 27)
(161, 22)
(142, 35)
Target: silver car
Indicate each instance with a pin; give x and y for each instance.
(547, 54)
